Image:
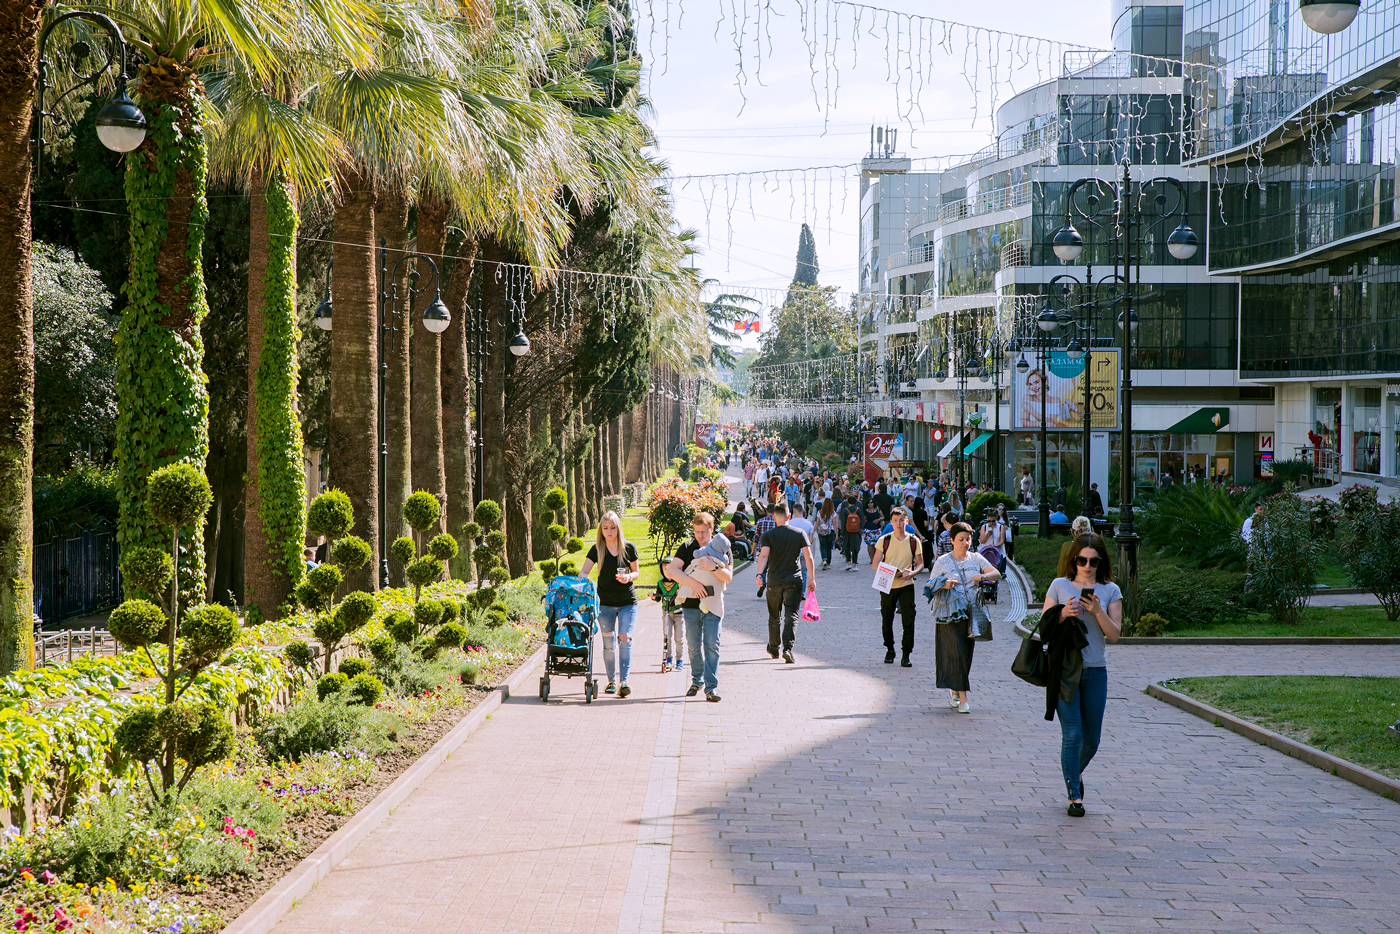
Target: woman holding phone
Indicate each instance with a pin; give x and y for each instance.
(616, 559)
(1086, 590)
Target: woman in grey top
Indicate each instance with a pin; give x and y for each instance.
(1085, 589)
(963, 569)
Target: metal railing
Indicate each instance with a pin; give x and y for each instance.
(56, 647)
(919, 254)
(1016, 253)
(1327, 463)
(76, 574)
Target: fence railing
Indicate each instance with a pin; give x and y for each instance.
(56, 647)
(76, 574)
(1016, 253)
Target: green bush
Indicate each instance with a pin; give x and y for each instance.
(1151, 626)
(308, 726)
(682, 469)
(1370, 549)
(558, 534)
(568, 567)
(422, 510)
(977, 509)
(149, 570)
(574, 546)
(469, 673)
(332, 683)
(208, 631)
(1356, 499)
(1198, 522)
(380, 648)
(330, 515)
(353, 666)
(496, 540)
(443, 547)
(299, 655)
(495, 618)
(350, 552)
(325, 579)
(487, 513)
(498, 575)
(427, 614)
(1284, 555)
(401, 626)
(426, 649)
(424, 571)
(178, 495)
(451, 610)
(1190, 598)
(548, 568)
(364, 689)
(471, 531)
(137, 623)
(450, 636)
(403, 550)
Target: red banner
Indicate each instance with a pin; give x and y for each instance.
(879, 448)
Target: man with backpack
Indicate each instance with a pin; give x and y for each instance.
(850, 522)
(897, 547)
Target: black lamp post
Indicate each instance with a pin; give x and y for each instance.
(1129, 224)
(121, 126)
(392, 321)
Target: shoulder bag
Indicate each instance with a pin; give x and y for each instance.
(1030, 665)
(979, 624)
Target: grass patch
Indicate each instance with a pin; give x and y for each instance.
(1317, 621)
(1343, 716)
(1331, 573)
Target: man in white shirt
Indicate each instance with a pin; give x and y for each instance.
(799, 521)
(1247, 530)
(760, 481)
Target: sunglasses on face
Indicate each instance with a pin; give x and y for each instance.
(1086, 562)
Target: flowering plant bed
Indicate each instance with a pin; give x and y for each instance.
(113, 858)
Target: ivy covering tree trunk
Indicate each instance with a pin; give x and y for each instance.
(353, 436)
(275, 520)
(19, 39)
(429, 469)
(162, 400)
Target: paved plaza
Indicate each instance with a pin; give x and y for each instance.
(841, 794)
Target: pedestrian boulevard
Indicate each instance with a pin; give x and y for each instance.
(841, 794)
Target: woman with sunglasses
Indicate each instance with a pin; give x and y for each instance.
(1086, 590)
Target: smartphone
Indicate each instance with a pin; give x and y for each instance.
(1085, 593)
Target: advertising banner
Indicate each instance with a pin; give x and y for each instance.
(705, 433)
(881, 447)
(918, 411)
(1063, 387)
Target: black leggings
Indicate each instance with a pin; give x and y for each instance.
(903, 598)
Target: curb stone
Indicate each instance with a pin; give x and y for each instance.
(264, 914)
(1259, 640)
(1371, 781)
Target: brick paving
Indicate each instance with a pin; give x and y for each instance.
(841, 794)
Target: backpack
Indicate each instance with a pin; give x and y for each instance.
(572, 596)
(853, 522)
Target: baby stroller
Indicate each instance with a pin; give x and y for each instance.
(571, 607)
(987, 590)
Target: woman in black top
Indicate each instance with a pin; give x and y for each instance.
(617, 599)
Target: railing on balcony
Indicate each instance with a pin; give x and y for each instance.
(919, 254)
(1016, 253)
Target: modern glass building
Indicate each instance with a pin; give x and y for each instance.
(1300, 134)
(968, 252)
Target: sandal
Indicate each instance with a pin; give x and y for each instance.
(610, 689)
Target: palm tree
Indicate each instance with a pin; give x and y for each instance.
(19, 55)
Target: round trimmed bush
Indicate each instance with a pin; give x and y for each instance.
(556, 499)
(136, 623)
(496, 540)
(471, 531)
(325, 579)
(353, 666)
(548, 568)
(557, 533)
(574, 545)
(451, 611)
(568, 567)
(1151, 625)
(469, 672)
(330, 515)
(484, 558)
(328, 629)
(450, 636)
(356, 609)
(483, 597)
(443, 547)
(403, 550)
(177, 495)
(177, 720)
(501, 606)
(487, 513)
(139, 735)
(365, 689)
(424, 571)
(308, 596)
(426, 649)
(401, 626)
(149, 569)
(495, 618)
(498, 575)
(210, 739)
(332, 683)
(350, 552)
(299, 654)
(381, 648)
(209, 629)
(422, 510)
(427, 614)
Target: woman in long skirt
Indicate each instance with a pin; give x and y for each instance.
(963, 569)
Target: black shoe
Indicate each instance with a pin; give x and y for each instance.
(1075, 809)
(905, 662)
(787, 656)
(694, 689)
(773, 651)
(712, 697)
(889, 656)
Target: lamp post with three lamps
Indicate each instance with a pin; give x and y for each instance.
(1132, 228)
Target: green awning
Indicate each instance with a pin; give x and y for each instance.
(981, 440)
(1202, 422)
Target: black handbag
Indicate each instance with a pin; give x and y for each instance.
(1030, 664)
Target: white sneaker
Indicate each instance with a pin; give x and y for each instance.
(964, 707)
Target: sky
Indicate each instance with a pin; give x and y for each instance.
(716, 111)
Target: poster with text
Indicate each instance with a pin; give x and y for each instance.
(881, 447)
(1063, 389)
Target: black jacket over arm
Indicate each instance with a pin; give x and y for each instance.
(1065, 638)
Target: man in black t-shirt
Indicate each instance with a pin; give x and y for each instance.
(780, 551)
(883, 499)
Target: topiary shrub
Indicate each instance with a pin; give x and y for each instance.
(178, 495)
(469, 673)
(299, 655)
(574, 545)
(332, 683)
(403, 550)
(977, 508)
(364, 689)
(1151, 626)
(488, 514)
(1370, 548)
(350, 552)
(427, 614)
(568, 567)
(330, 515)
(548, 568)
(558, 534)
(137, 623)
(450, 636)
(443, 547)
(422, 511)
(353, 666)
(422, 572)
(149, 570)
(209, 631)
(401, 627)
(496, 540)
(495, 618)
(451, 611)
(381, 648)
(555, 499)
(471, 531)
(323, 580)
(498, 575)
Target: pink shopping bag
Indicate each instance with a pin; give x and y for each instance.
(810, 611)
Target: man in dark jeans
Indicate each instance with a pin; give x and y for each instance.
(779, 551)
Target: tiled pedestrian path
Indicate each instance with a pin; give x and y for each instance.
(840, 794)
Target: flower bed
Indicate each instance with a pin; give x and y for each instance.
(104, 855)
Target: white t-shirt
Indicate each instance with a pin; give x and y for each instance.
(760, 475)
(800, 522)
(1247, 530)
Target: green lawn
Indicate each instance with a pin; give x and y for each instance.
(1317, 621)
(1346, 717)
(1332, 574)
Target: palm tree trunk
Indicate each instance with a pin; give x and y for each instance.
(429, 468)
(493, 412)
(615, 456)
(162, 399)
(456, 406)
(275, 510)
(517, 506)
(391, 223)
(19, 44)
(353, 437)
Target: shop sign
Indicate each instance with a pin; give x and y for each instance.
(1265, 443)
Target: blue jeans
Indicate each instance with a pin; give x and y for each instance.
(616, 624)
(826, 540)
(702, 634)
(1081, 724)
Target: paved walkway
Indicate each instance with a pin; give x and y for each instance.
(840, 794)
